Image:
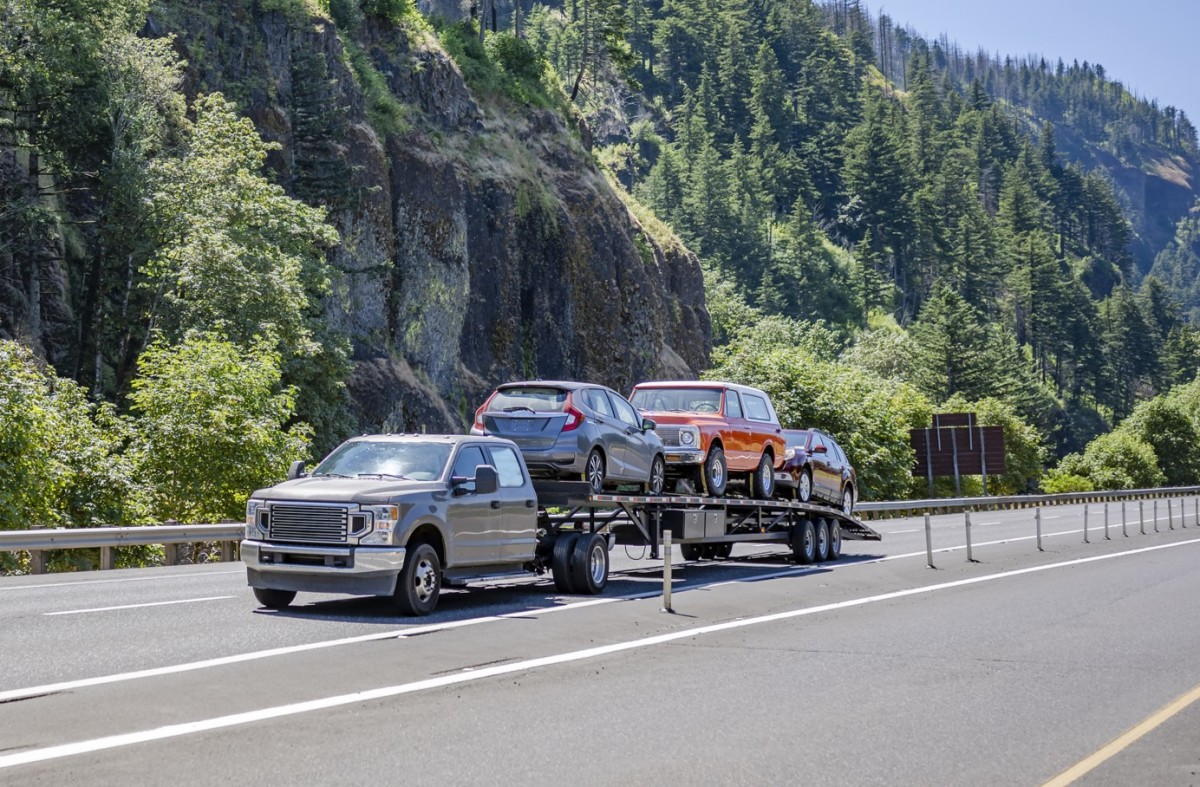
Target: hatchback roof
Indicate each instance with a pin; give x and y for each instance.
(567, 384)
(425, 438)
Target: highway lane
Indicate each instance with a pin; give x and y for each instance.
(155, 618)
(1006, 671)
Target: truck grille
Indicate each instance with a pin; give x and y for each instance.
(668, 434)
(316, 524)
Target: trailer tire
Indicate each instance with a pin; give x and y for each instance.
(723, 551)
(560, 562)
(420, 581)
(804, 542)
(835, 540)
(691, 551)
(274, 599)
(822, 540)
(589, 564)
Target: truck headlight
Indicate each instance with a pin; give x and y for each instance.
(789, 453)
(689, 436)
(384, 522)
(253, 507)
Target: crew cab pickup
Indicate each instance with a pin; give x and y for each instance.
(399, 515)
(711, 430)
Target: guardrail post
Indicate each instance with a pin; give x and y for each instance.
(928, 543)
(1156, 515)
(108, 559)
(970, 557)
(1037, 515)
(1085, 523)
(666, 542)
(1142, 517)
(227, 551)
(1170, 516)
(37, 561)
(170, 554)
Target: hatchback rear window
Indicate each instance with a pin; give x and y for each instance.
(538, 400)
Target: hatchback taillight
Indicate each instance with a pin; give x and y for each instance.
(574, 417)
(483, 409)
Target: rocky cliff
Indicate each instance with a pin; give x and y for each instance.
(480, 243)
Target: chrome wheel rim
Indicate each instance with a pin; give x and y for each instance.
(810, 547)
(596, 563)
(822, 540)
(425, 580)
(805, 487)
(765, 476)
(847, 502)
(595, 472)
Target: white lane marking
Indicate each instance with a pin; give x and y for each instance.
(136, 606)
(987, 524)
(123, 579)
(897, 532)
(263, 714)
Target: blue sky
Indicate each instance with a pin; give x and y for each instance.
(1152, 46)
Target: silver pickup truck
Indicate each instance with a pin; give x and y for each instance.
(401, 515)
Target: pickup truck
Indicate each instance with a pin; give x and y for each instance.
(401, 515)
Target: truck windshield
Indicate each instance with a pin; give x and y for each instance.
(677, 400)
(414, 461)
(538, 400)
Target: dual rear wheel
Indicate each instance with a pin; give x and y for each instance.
(579, 563)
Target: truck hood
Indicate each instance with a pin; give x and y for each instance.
(347, 490)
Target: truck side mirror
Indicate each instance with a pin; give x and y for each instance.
(487, 480)
(648, 425)
(296, 471)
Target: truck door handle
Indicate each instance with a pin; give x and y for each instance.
(495, 504)
(529, 504)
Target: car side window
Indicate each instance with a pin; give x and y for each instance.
(733, 405)
(817, 441)
(756, 408)
(508, 467)
(626, 412)
(598, 401)
(469, 458)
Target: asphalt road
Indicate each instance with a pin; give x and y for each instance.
(872, 670)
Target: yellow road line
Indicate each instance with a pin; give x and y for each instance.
(1152, 722)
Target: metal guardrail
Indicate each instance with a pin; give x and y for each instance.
(108, 538)
(1024, 501)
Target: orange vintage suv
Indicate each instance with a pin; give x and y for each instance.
(711, 430)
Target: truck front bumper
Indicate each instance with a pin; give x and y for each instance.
(357, 570)
(674, 455)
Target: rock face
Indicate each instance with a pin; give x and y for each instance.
(481, 244)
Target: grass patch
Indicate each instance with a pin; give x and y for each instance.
(384, 110)
(504, 66)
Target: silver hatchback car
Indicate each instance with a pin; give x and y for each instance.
(576, 430)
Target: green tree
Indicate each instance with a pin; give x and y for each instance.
(1116, 460)
(210, 426)
(949, 347)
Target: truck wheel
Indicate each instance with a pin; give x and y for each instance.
(804, 542)
(589, 564)
(691, 551)
(762, 480)
(723, 551)
(593, 472)
(804, 486)
(420, 581)
(658, 476)
(835, 540)
(823, 540)
(274, 599)
(715, 472)
(560, 562)
(847, 501)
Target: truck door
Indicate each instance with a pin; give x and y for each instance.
(518, 506)
(475, 521)
(739, 447)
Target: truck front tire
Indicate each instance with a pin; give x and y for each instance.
(274, 599)
(420, 581)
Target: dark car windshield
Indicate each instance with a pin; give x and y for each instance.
(796, 439)
(677, 400)
(412, 460)
(540, 400)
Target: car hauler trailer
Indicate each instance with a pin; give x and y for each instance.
(703, 527)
